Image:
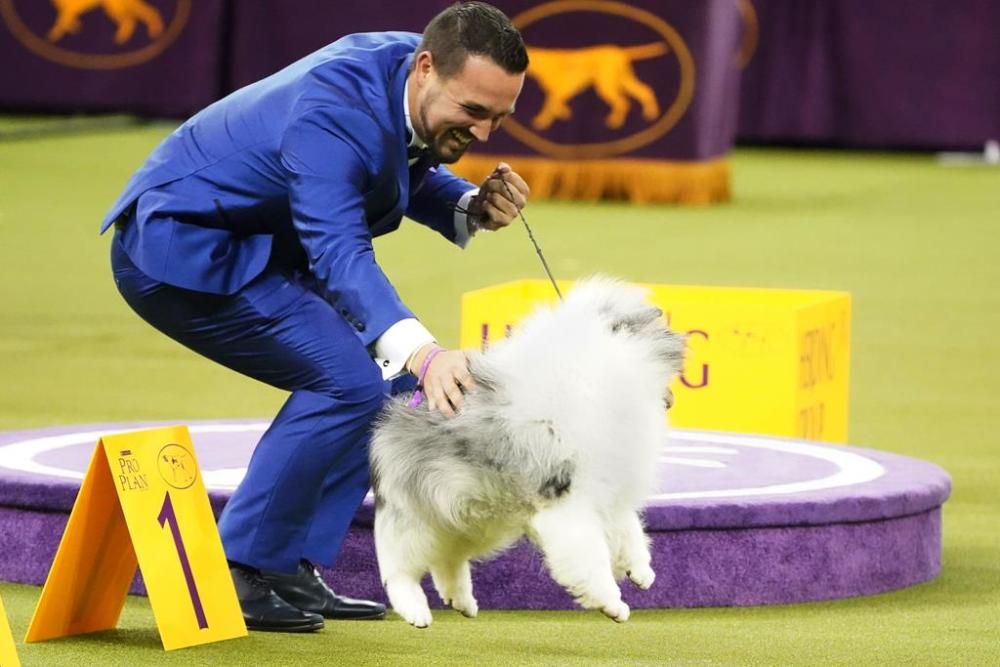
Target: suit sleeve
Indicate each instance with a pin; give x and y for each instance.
(433, 204)
(327, 154)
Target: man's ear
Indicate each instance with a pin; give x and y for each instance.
(423, 66)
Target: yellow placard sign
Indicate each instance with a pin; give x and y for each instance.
(142, 503)
(759, 360)
(8, 651)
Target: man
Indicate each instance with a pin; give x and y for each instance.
(247, 236)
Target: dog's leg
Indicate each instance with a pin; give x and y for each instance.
(453, 580)
(610, 92)
(630, 549)
(643, 93)
(398, 549)
(149, 16)
(572, 538)
(68, 21)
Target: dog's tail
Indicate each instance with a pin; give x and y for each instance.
(646, 51)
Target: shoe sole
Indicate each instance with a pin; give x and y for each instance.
(369, 617)
(305, 627)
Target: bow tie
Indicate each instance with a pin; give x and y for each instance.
(416, 152)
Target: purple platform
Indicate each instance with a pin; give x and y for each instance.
(738, 519)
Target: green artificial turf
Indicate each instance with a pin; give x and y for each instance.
(914, 242)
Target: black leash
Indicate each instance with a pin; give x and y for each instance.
(531, 236)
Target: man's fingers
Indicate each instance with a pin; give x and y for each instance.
(505, 179)
(508, 191)
(465, 380)
(445, 381)
(495, 218)
(518, 185)
(437, 399)
(455, 396)
(497, 206)
(500, 201)
(504, 171)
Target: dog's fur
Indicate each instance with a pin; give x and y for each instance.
(559, 440)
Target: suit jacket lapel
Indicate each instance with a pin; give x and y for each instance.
(396, 89)
(419, 169)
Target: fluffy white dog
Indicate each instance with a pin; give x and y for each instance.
(559, 440)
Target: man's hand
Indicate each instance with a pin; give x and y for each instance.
(500, 197)
(446, 379)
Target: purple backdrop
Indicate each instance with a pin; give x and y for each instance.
(203, 49)
(924, 74)
(267, 35)
(171, 64)
(920, 74)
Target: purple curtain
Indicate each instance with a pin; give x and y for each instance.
(873, 73)
(151, 57)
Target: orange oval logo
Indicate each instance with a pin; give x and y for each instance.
(96, 34)
(607, 70)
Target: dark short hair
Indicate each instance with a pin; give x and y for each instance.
(473, 28)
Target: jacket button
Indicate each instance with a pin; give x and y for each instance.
(359, 326)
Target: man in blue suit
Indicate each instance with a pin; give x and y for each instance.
(247, 237)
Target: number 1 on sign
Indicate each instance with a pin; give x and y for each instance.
(167, 515)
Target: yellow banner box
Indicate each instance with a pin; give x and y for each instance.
(759, 360)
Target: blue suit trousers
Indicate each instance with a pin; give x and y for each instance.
(309, 472)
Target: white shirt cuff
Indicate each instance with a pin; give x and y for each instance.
(462, 235)
(397, 344)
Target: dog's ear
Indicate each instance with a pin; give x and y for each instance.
(672, 349)
(637, 321)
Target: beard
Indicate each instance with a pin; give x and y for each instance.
(450, 145)
(447, 143)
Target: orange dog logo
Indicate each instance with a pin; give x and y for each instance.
(563, 74)
(124, 13)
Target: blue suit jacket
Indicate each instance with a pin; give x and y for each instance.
(303, 167)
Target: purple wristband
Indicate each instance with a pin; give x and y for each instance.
(418, 395)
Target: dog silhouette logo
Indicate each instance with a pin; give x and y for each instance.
(565, 73)
(624, 67)
(176, 466)
(96, 34)
(125, 14)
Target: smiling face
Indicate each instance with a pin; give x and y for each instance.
(449, 113)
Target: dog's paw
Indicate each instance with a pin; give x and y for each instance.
(409, 601)
(642, 576)
(618, 611)
(468, 606)
(418, 618)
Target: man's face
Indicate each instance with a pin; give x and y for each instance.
(449, 113)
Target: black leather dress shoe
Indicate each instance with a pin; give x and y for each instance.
(263, 610)
(307, 591)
